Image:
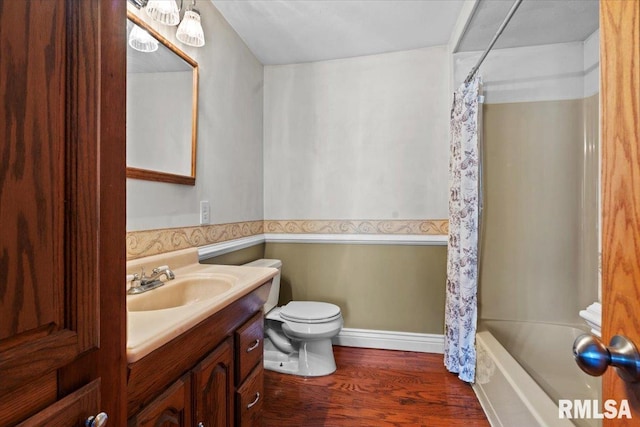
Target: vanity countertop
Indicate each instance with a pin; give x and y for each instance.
(148, 330)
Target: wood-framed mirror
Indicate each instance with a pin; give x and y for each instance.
(162, 109)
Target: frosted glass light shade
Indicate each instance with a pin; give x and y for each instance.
(140, 40)
(163, 11)
(190, 30)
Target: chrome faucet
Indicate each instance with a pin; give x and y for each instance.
(155, 273)
(143, 283)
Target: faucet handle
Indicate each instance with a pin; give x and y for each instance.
(134, 280)
(166, 270)
(159, 269)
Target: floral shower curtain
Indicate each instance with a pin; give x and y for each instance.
(464, 220)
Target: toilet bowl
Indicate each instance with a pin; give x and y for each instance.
(298, 335)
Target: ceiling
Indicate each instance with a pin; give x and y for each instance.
(536, 22)
(295, 31)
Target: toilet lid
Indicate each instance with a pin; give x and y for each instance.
(309, 312)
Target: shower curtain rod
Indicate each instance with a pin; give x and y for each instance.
(474, 70)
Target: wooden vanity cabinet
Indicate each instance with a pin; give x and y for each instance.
(210, 376)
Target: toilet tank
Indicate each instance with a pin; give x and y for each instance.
(274, 293)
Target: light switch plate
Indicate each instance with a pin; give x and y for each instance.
(204, 213)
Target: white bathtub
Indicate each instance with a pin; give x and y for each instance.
(524, 368)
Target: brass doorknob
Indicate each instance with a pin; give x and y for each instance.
(593, 357)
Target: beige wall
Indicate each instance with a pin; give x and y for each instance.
(540, 217)
(381, 287)
(239, 257)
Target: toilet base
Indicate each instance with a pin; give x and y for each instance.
(311, 358)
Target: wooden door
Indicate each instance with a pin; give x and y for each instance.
(213, 388)
(62, 318)
(620, 112)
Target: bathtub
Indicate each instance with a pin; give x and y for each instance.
(524, 368)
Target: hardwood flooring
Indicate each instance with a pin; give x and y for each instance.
(373, 388)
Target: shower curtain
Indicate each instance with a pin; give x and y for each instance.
(464, 220)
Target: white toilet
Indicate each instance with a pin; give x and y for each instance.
(298, 335)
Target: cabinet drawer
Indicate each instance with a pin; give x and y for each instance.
(249, 399)
(249, 346)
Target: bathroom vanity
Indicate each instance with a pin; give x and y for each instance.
(206, 370)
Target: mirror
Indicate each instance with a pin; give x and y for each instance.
(162, 110)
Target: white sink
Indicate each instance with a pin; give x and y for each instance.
(181, 292)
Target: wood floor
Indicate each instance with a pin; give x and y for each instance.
(375, 388)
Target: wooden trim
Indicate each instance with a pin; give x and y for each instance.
(620, 118)
(149, 175)
(194, 120)
(112, 365)
(81, 148)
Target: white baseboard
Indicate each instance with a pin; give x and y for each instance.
(388, 340)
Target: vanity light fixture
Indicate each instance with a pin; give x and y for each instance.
(167, 12)
(141, 40)
(163, 11)
(190, 30)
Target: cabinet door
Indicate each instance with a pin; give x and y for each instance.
(170, 409)
(52, 211)
(213, 388)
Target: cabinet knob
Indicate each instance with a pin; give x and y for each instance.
(99, 420)
(200, 424)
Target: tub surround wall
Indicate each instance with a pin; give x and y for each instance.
(539, 253)
(229, 163)
(530, 245)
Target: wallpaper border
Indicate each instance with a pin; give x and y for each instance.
(152, 242)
